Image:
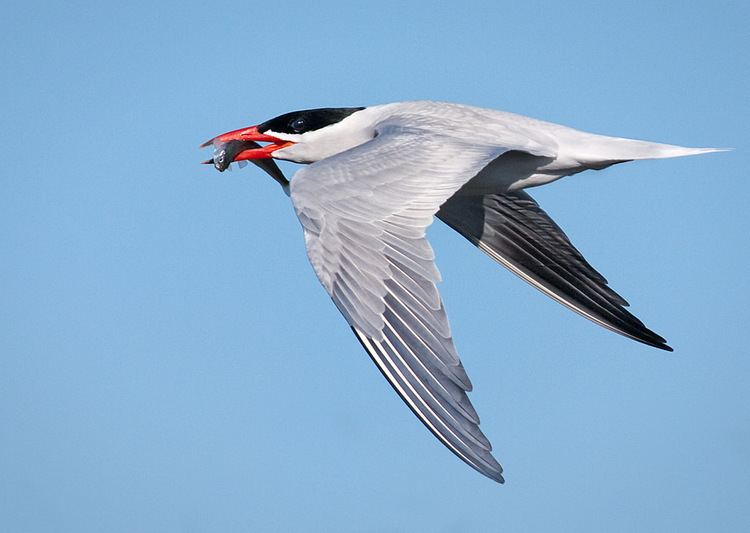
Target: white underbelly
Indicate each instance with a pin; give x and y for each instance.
(513, 171)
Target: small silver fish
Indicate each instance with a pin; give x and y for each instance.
(224, 154)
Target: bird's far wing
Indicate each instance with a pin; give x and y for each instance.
(514, 231)
(364, 214)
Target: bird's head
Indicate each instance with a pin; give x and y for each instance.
(300, 136)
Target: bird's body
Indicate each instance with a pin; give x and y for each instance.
(377, 176)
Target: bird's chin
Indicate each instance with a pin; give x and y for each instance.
(294, 153)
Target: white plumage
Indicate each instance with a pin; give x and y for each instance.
(376, 180)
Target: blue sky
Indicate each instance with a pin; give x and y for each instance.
(168, 361)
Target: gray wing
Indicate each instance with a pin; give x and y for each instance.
(364, 214)
(514, 231)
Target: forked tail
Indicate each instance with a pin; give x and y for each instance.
(602, 148)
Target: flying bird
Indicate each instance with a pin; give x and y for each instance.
(375, 179)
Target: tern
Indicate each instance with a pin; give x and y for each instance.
(375, 179)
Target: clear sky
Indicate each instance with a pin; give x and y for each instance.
(168, 361)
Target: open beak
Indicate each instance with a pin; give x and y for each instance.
(242, 145)
(244, 135)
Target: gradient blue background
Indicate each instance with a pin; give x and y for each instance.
(169, 362)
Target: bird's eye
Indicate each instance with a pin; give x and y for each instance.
(298, 124)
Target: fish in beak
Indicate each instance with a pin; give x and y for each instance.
(243, 145)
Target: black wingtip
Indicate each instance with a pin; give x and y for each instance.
(666, 348)
(499, 478)
(649, 338)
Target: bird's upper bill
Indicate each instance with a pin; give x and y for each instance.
(242, 145)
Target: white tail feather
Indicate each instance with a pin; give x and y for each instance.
(601, 148)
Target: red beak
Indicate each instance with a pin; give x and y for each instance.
(249, 134)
